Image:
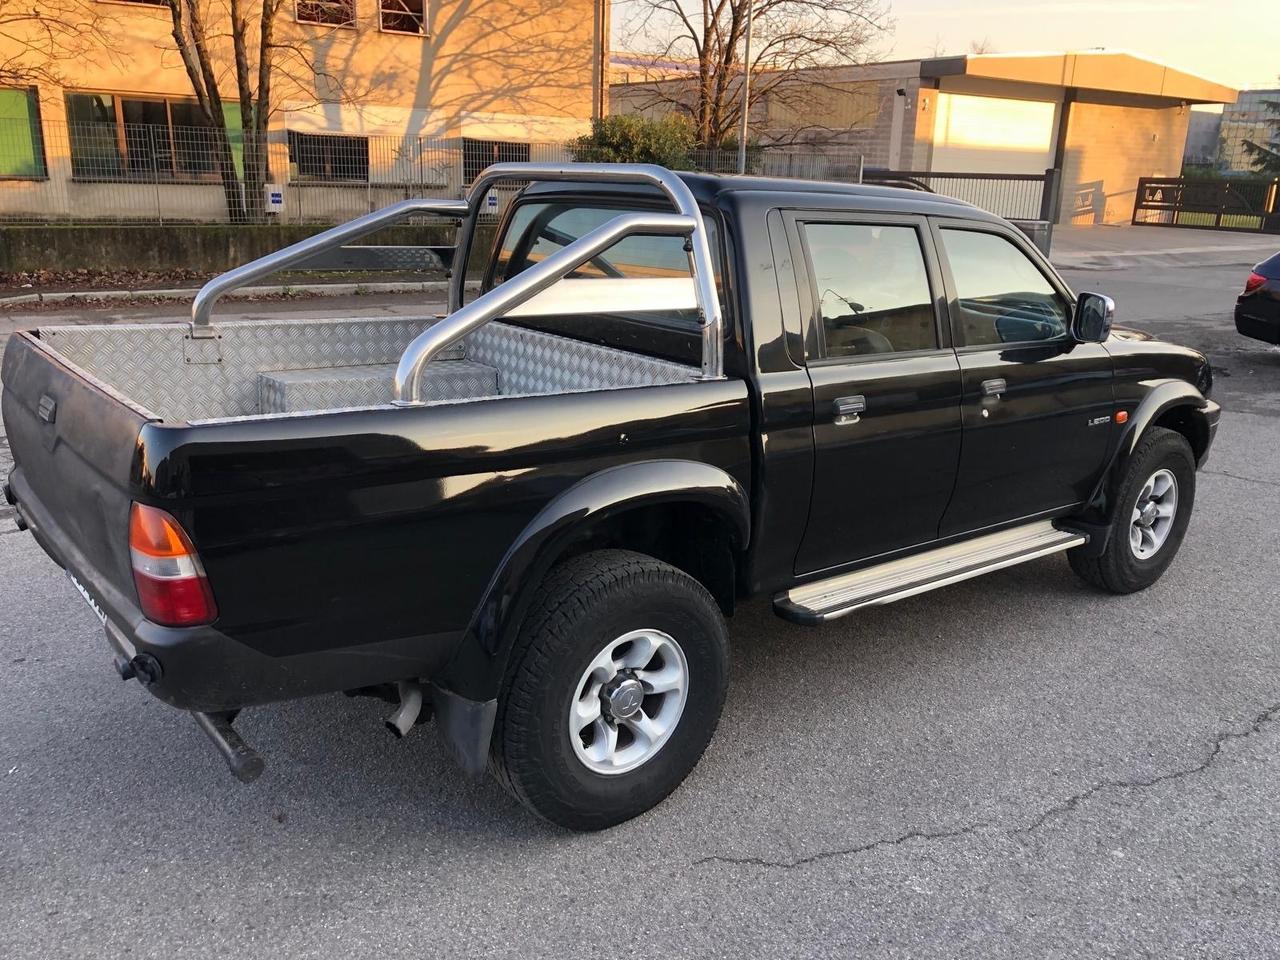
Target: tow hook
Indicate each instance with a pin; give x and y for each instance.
(245, 762)
(406, 715)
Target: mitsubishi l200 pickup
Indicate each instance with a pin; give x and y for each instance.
(530, 518)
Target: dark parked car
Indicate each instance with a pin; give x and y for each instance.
(1258, 307)
(532, 518)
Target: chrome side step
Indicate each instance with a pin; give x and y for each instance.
(897, 579)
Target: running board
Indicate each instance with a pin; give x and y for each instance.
(897, 579)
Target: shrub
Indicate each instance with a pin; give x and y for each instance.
(631, 139)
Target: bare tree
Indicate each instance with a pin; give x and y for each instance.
(982, 46)
(789, 36)
(37, 40)
(255, 56)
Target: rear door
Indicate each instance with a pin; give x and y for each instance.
(886, 387)
(1037, 404)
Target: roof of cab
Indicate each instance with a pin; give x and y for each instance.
(708, 188)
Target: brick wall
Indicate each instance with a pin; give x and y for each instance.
(1109, 146)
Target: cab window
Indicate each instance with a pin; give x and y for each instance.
(1000, 294)
(871, 287)
(537, 229)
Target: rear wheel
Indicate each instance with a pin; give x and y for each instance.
(1153, 507)
(613, 691)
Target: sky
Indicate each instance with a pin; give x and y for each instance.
(1236, 42)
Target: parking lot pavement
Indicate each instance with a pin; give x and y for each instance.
(1010, 767)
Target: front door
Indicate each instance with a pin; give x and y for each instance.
(886, 388)
(1037, 404)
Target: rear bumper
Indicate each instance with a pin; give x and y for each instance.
(1259, 319)
(204, 669)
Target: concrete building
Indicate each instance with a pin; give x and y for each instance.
(1204, 127)
(1246, 120)
(1103, 119)
(370, 98)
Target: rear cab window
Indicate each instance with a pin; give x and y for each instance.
(538, 228)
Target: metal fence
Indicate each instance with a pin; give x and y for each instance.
(1216, 204)
(156, 173)
(99, 173)
(1014, 196)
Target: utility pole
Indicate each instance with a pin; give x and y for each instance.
(746, 92)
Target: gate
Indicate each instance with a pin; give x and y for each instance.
(1247, 205)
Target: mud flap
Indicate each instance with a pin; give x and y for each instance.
(466, 727)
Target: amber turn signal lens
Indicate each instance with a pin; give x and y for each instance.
(156, 533)
(1122, 416)
(172, 588)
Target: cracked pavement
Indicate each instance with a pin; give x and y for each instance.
(1010, 767)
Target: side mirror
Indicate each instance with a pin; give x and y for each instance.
(1095, 312)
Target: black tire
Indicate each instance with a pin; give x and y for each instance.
(1119, 569)
(583, 605)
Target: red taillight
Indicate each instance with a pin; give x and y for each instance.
(172, 588)
(1254, 283)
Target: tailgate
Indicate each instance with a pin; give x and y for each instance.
(74, 443)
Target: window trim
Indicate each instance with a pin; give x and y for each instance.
(1029, 250)
(330, 180)
(810, 306)
(463, 143)
(157, 5)
(353, 24)
(422, 34)
(120, 135)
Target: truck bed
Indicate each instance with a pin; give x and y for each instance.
(316, 531)
(281, 368)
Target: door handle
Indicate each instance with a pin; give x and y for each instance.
(994, 388)
(849, 409)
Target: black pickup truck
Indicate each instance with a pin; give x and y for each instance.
(531, 517)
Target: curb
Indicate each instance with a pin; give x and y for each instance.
(244, 293)
(1179, 257)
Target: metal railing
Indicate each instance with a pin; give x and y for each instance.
(292, 255)
(1216, 204)
(686, 221)
(144, 173)
(527, 284)
(1014, 196)
(108, 173)
(677, 191)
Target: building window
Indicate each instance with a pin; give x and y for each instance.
(326, 156)
(147, 138)
(330, 13)
(21, 137)
(403, 16)
(478, 154)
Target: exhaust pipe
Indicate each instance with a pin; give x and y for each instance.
(406, 715)
(245, 763)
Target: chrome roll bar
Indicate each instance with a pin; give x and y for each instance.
(686, 221)
(523, 287)
(676, 190)
(295, 253)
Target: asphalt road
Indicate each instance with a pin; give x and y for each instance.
(1010, 767)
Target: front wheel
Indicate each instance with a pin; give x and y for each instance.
(613, 690)
(1153, 507)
